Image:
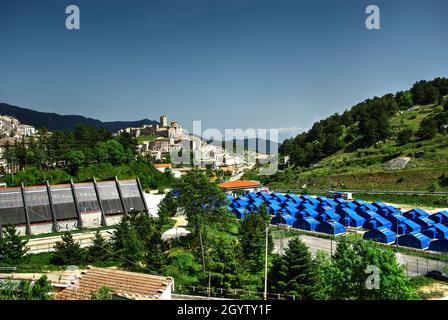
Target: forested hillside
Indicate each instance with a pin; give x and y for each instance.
(394, 142)
(369, 123)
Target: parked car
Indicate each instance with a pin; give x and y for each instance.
(438, 275)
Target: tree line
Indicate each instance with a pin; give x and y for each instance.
(80, 154)
(71, 149)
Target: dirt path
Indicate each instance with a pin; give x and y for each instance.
(181, 221)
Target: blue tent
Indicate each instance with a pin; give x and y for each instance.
(379, 204)
(441, 231)
(309, 212)
(346, 204)
(311, 200)
(444, 215)
(290, 210)
(321, 208)
(381, 222)
(251, 195)
(264, 195)
(416, 213)
(340, 200)
(388, 211)
(366, 205)
(279, 197)
(240, 203)
(437, 218)
(327, 202)
(256, 202)
(283, 219)
(366, 214)
(328, 215)
(273, 201)
(307, 223)
(306, 205)
(381, 234)
(293, 197)
(240, 212)
(402, 225)
(439, 245)
(273, 208)
(424, 222)
(230, 198)
(414, 240)
(330, 227)
(412, 226)
(352, 218)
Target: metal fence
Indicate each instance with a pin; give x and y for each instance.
(412, 259)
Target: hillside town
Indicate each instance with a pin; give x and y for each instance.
(12, 132)
(165, 138)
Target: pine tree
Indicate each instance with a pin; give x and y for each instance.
(41, 289)
(68, 252)
(301, 271)
(100, 251)
(128, 246)
(156, 256)
(252, 235)
(103, 293)
(12, 247)
(167, 209)
(222, 265)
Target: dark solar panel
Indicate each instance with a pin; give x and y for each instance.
(86, 197)
(131, 195)
(11, 206)
(38, 204)
(110, 198)
(63, 203)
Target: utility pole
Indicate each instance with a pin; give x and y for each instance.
(209, 283)
(202, 247)
(266, 265)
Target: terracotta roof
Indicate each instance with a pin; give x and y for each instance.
(162, 165)
(123, 283)
(239, 184)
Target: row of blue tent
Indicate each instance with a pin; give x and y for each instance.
(384, 223)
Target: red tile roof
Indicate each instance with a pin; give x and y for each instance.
(123, 283)
(239, 184)
(162, 165)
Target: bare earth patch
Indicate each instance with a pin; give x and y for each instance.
(435, 290)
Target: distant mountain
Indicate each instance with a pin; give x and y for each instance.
(252, 144)
(54, 121)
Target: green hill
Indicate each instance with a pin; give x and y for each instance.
(395, 142)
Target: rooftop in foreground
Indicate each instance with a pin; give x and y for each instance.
(130, 285)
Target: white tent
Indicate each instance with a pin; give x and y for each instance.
(174, 233)
(152, 201)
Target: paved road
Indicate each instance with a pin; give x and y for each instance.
(46, 244)
(414, 265)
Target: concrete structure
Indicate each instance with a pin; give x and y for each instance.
(51, 208)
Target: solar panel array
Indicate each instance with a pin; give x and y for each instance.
(62, 202)
(383, 223)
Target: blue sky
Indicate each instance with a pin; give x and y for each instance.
(229, 63)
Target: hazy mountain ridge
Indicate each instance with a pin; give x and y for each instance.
(54, 121)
